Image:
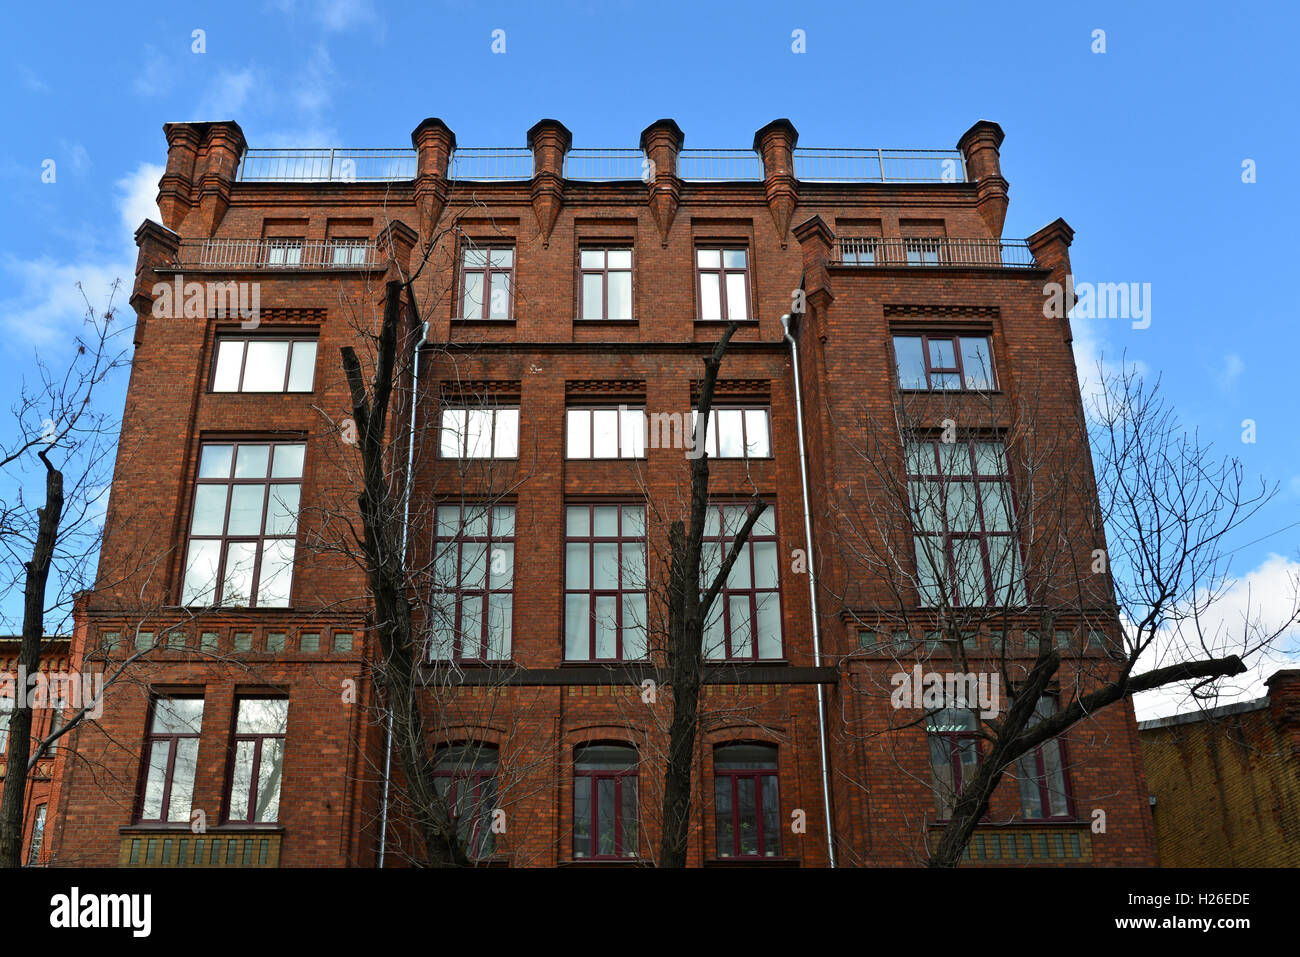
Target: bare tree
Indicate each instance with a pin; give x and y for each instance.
(980, 518)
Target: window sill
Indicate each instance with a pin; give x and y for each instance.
(605, 862)
(722, 323)
(461, 321)
(184, 828)
(579, 323)
(950, 391)
(753, 862)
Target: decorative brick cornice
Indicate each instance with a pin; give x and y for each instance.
(278, 315)
(728, 388)
(479, 388)
(916, 311)
(604, 386)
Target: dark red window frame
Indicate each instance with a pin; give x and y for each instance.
(487, 270)
(952, 743)
(258, 740)
(603, 273)
(151, 739)
(458, 541)
(1039, 768)
(958, 368)
(726, 593)
(728, 780)
(481, 781)
(264, 336)
(592, 776)
(591, 539)
(722, 271)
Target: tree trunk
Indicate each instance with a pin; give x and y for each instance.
(20, 722)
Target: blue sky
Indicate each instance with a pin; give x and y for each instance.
(1140, 148)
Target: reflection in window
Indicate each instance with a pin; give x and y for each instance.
(466, 778)
(746, 799)
(474, 572)
(487, 279)
(954, 754)
(614, 433)
(723, 278)
(606, 283)
(736, 433)
(1044, 792)
(171, 750)
(605, 812)
(604, 583)
(258, 364)
(944, 362)
(479, 433)
(259, 760)
(745, 620)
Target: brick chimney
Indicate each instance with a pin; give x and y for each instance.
(434, 143)
(775, 143)
(549, 140)
(1284, 704)
(817, 243)
(980, 145)
(661, 141)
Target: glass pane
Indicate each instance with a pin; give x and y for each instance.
(714, 634)
(605, 812)
(268, 780)
(578, 428)
(968, 565)
(633, 521)
(201, 573)
(740, 570)
(604, 572)
(771, 816)
(633, 565)
(756, 438)
(500, 305)
(632, 423)
(747, 815)
(581, 816)
(500, 626)
(187, 753)
(605, 433)
(765, 524)
(722, 812)
(942, 355)
(634, 627)
(628, 821)
(262, 716)
(475, 258)
(577, 627)
(577, 565)
(251, 461)
(276, 573)
(945, 380)
(503, 521)
(302, 367)
(282, 510)
(734, 259)
(209, 510)
(501, 258)
(765, 561)
(910, 361)
(710, 297)
(620, 295)
(265, 365)
(237, 587)
(177, 716)
(960, 507)
(708, 258)
(475, 521)
(605, 521)
(453, 433)
(471, 626)
(473, 564)
(230, 356)
(741, 628)
(931, 568)
(989, 458)
(606, 626)
(729, 424)
(288, 461)
(620, 259)
(501, 565)
(241, 780)
(593, 296)
(506, 443)
(994, 496)
(472, 302)
(151, 808)
(478, 434)
(976, 363)
(737, 304)
(215, 461)
(246, 509)
(577, 521)
(593, 259)
(769, 625)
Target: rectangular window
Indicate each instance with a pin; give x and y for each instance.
(922, 252)
(954, 755)
(258, 760)
(284, 252)
(606, 284)
(962, 515)
(745, 620)
(722, 277)
(737, 433)
(605, 433)
(474, 581)
(480, 433)
(245, 524)
(944, 362)
(605, 812)
(6, 712)
(349, 252)
(1044, 792)
(604, 583)
(38, 837)
(264, 364)
(860, 251)
(747, 802)
(171, 751)
(466, 778)
(487, 282)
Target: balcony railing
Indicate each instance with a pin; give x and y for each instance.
(939, 252)
(327, 165)
(184, 849)
(502, 164)
(277, 254)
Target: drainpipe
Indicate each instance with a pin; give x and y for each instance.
(786, 322)
(406, 526)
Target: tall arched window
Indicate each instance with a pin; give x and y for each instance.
(747, 800)
(605, 808)
(466, 777)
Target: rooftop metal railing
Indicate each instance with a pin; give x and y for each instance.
(277, 254)
(505, 164)
(932, 251)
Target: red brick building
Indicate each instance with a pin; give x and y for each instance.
(1225, 782)
(570, 296)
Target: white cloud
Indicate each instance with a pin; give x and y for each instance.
(1266, 594)
(155, 76)
(340, 15)
(1093, 362)
(1230, 370)
(31, 81)
(226, 95)
(137, 196)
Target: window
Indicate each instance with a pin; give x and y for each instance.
(944, 362)
(258, 760)
(6, 712)
(466, 778)
(966, 552)
(604, 583)
(480, 433)
(954, 754)
(343, 641)
(723, 283)
(606, 283)
(56, 725)
(922, 252)
(605, 802)
(38, 837)
(1044, 792)
(859, 251)
(284, 252)
(606, 433)
(745, 620)
(746, 799)
(171, 751)
(349, 252)
(487, 280)
(245, 524)
(474, 581)
(737, 433)
(264, 364)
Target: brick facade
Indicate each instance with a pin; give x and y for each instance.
(542, 359)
